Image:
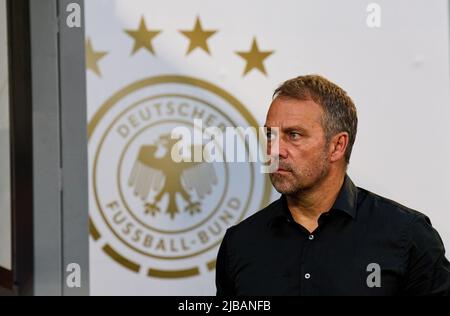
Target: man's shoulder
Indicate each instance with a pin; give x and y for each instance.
(257, 222)
(372, 204)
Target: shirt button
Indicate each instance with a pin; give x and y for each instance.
(311, 237)
(307, 276)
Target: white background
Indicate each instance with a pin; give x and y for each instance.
(5, 198)
(398, 76)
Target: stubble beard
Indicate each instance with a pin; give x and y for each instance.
(296, 181)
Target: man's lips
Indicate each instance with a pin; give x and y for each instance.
(282, 170)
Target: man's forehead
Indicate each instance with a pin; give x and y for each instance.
(286, 124)
(294, 111)
(294, 122)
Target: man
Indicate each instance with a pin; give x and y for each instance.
(325, 236)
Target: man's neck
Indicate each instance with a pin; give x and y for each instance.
(307, 206)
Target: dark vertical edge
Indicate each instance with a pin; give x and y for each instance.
(21, 144)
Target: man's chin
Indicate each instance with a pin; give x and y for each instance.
(285, 191)
(282, 187)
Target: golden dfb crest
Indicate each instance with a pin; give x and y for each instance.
(148, 213)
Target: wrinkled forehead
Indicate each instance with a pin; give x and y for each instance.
(287, 113)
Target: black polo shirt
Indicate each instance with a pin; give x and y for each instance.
(365, 245)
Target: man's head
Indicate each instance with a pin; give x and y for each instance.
(317, 124)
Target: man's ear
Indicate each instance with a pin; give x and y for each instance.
(338, 146)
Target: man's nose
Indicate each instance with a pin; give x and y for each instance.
(282, 152)
(278, 148)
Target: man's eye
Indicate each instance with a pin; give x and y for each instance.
(295, 135)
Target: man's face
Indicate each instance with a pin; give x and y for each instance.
(303, 156)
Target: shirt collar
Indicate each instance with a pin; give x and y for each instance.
(347, 198)
(346, 202)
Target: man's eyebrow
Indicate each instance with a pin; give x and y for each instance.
(288, 129)
(293, 128)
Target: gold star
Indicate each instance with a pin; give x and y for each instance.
(255, 58)
(198, 37)
(143, 37)
(93, 57)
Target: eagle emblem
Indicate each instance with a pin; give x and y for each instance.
(153, 171)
